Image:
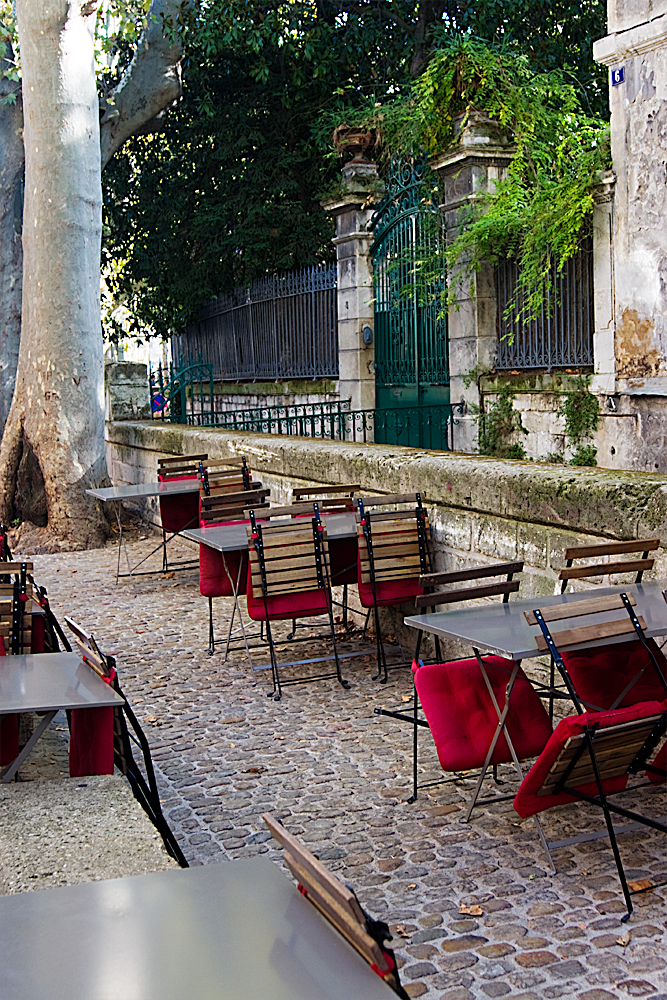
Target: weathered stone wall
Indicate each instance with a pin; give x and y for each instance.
(481, 509)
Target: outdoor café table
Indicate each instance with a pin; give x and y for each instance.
(233, 537)
(48, 682)
(117, 494)
(235, 930)
(502, 629)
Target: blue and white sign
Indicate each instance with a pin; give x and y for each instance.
(618, 76)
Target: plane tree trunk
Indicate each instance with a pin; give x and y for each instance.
(56, 421)
(53, 442)
(11, 260)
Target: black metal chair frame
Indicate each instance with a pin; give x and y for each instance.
(640, 763)
(323, 580)
(366, 518)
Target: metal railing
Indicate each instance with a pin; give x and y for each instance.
(282, 326)
(561, 336)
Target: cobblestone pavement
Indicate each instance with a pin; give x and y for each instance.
(474, 909)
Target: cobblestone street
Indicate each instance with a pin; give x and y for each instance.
(474, 909)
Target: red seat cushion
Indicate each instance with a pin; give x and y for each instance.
(214, 581)
(180, 511)
(463, 719)
(286, 606)
(9, 729)
(600, 675)
(528, 801)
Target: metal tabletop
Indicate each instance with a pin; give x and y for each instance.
(172, 488)
(232, 537)
(42, 682)
(503, 629)
(236, 930)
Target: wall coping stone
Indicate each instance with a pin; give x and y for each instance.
(591, 500)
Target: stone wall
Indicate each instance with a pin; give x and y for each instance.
(481, 509)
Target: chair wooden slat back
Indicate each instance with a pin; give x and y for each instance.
(176, 468)
(346, 490)
(564, 638)
(16, 597)
(231, 506)
(288, 556)
(616, 749)
(90, 651)
(638, 566)
(333, 899)
(506, 587)
(393, 545)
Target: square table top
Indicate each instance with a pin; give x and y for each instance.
(502, 628)
(232, 537)
(173, 488)
(235, 930)
(40, 682)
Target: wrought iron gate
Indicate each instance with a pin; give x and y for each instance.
(411, 350)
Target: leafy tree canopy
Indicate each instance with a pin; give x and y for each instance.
(229, 190)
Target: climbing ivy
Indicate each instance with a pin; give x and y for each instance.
(499, 425)
(581, 411)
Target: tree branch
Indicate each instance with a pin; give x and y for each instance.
(151, 82)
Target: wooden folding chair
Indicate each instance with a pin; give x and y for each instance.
(339, 905)
(393, 553)
(597, 568)
(288, 579)
(591, 757)
(224, 574)
(481, 711)
(16, 609)
(177, 512)
(342, 551)
(102, 740)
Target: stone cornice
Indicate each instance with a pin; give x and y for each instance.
(633, 42)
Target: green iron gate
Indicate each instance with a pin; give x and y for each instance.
(411, 350)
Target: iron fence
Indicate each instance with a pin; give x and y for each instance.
(561, 336)
(282, 326)
(186, 396)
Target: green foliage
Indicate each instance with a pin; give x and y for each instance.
(581, 412)
(499, 425)
(230, 190)
(540, 211)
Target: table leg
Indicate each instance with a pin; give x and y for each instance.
(8, 773)
(237, 607)
(121, 542)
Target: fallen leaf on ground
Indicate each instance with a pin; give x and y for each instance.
(624, 941)
(413, 885)
(401, 931)
(150, 718)
(471, 911)
(642, 883)
(168, 576)
(406, 697)
(253, 770)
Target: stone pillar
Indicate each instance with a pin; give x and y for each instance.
(468, 170)
(604, 377)
(127, 395)
(635, 50)
(356, 351)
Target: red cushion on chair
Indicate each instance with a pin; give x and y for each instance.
(214, 581)
(286, 606)
(180, 511)
(9, 729)
(37, 641)
(528, 801)
(600, 675)
(463, 719)
(91, 742)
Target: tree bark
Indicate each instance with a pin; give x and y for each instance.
(11, 261)
(57, 413)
